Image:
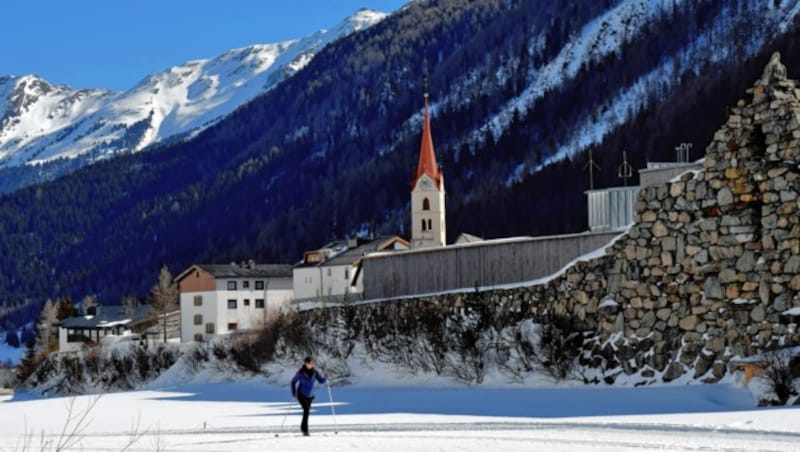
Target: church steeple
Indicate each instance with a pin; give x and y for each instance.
(427, 193)
(427, 156)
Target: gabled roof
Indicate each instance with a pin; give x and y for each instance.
(467, 238)
(241, 271)
(344, 253)
(353, 255)
(427, 157)
(107, 317)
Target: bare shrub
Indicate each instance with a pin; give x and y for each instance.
(778, 377)
(515, 350)
(285, 329)
(558, 348)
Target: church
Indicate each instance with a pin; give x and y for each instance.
(431, 265)
(428, 227)
(427, 264)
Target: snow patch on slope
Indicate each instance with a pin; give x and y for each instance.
(599, 38)
(640, 94)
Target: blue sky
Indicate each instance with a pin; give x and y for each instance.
(115, 43)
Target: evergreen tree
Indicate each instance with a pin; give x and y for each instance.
(30, 361)
(89, 305)
(66, 308)
(12, 338)
(27, 335)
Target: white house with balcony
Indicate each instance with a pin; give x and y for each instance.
(220, 299)
(103, 323)
(333, 272)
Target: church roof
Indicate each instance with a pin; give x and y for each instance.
(427, 157)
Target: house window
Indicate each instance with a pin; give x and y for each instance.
(210, 328)
(423, 225)
(198, 337)
(198, 300)
(426, 204)
(259, 285)
(197, 274)
(231, 304)
(232, 327)
(245, 284)
(198, 319)
(247, 302)
(429, 224)
(259, 303)
(231, 285)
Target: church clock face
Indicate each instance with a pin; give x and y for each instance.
(425, 183)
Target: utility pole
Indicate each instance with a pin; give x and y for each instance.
(591, 166)
(625, 171)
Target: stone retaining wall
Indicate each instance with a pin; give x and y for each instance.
(707, 273)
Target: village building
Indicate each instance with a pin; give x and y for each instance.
(220, 299)
(334, 272)
(104, 323)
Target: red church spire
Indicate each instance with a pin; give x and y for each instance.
(427, 157)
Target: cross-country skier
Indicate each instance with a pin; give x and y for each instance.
(303, 389)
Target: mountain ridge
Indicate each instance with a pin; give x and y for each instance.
(41, 122)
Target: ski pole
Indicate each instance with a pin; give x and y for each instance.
(285, 416)
(333, 411)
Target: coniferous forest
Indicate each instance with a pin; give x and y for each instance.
(330, 152)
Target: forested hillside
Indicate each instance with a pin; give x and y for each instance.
(520, 91)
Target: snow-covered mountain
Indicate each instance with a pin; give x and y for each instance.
(41, 121)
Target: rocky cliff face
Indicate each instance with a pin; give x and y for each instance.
(711, 271)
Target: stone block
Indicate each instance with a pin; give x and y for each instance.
(724, 197)
(689, 323)
(712, 288)
(659, 229)
(792, 265)
(758, 313)
(727, 276)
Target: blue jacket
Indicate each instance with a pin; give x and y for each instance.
(304, 383)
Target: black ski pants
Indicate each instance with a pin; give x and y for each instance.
(305, 402)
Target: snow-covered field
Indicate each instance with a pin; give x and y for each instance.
(245, 416)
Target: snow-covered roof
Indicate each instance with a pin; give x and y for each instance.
(106, 317)
(232, 271)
